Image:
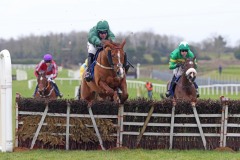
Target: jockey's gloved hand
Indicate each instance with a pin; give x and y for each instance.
(50, 79)
(178, 65)
(100, 45)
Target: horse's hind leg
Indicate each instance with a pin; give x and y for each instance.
(79, 93)
(86, 93)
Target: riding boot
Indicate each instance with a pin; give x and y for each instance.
(168, 93)
(172, 85)
(127, 68)
(88, 76)
(125, 63)
(57, 90)
(35, 91)
(196, 86)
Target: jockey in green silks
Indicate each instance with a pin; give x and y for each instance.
(176, 59)
(95, 36)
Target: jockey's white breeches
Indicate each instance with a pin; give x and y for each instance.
(177, 72)
(91, 48)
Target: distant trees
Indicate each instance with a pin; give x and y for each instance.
(71, 49)
(215, 44)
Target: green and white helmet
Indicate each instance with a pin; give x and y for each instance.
(183, 46)
(102, 26)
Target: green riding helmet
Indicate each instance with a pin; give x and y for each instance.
(183, 46)
(102, 26)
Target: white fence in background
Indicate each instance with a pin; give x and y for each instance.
(215, 89)
(28, 66)
(74, 74)
(6, 137)
(32, 82)
(21, 75)
(23, 66)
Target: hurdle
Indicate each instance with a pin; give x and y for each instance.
(6, 137)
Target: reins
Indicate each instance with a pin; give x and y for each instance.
(184, 74)
(45, 89)
(106, 67)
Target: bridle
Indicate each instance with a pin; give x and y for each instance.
(191, 72)
(117, 67)
(45, 88)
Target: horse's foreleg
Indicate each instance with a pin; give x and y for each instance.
(124, 96)
(106, 88)
(174, 102)
(116, 97)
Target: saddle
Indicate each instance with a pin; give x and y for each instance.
(91, 67)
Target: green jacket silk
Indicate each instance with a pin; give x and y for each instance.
(176, 57)
(94, 38)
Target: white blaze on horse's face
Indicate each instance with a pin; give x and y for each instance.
(191, 74)
(120, 71)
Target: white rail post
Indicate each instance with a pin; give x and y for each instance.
(6, 138)
(68, 125)
(172, 127)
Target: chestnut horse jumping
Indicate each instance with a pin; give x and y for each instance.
(185, 88)
(109, 75)
(45, 88)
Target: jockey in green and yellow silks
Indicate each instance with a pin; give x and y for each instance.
(177, 57)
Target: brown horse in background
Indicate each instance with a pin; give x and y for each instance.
(185, 88)
(45, 88)
(109, 80)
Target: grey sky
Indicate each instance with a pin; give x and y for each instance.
(193, 20)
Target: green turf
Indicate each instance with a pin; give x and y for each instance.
(134, 154)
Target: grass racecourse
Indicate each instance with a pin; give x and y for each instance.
(137, 154)
(68, 89)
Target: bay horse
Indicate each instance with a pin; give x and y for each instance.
(109, 80)
(45, 88)
(185, 88)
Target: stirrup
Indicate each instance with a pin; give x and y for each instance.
(197, 95)
(167, 93)
(60, 95)
(127, 68)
